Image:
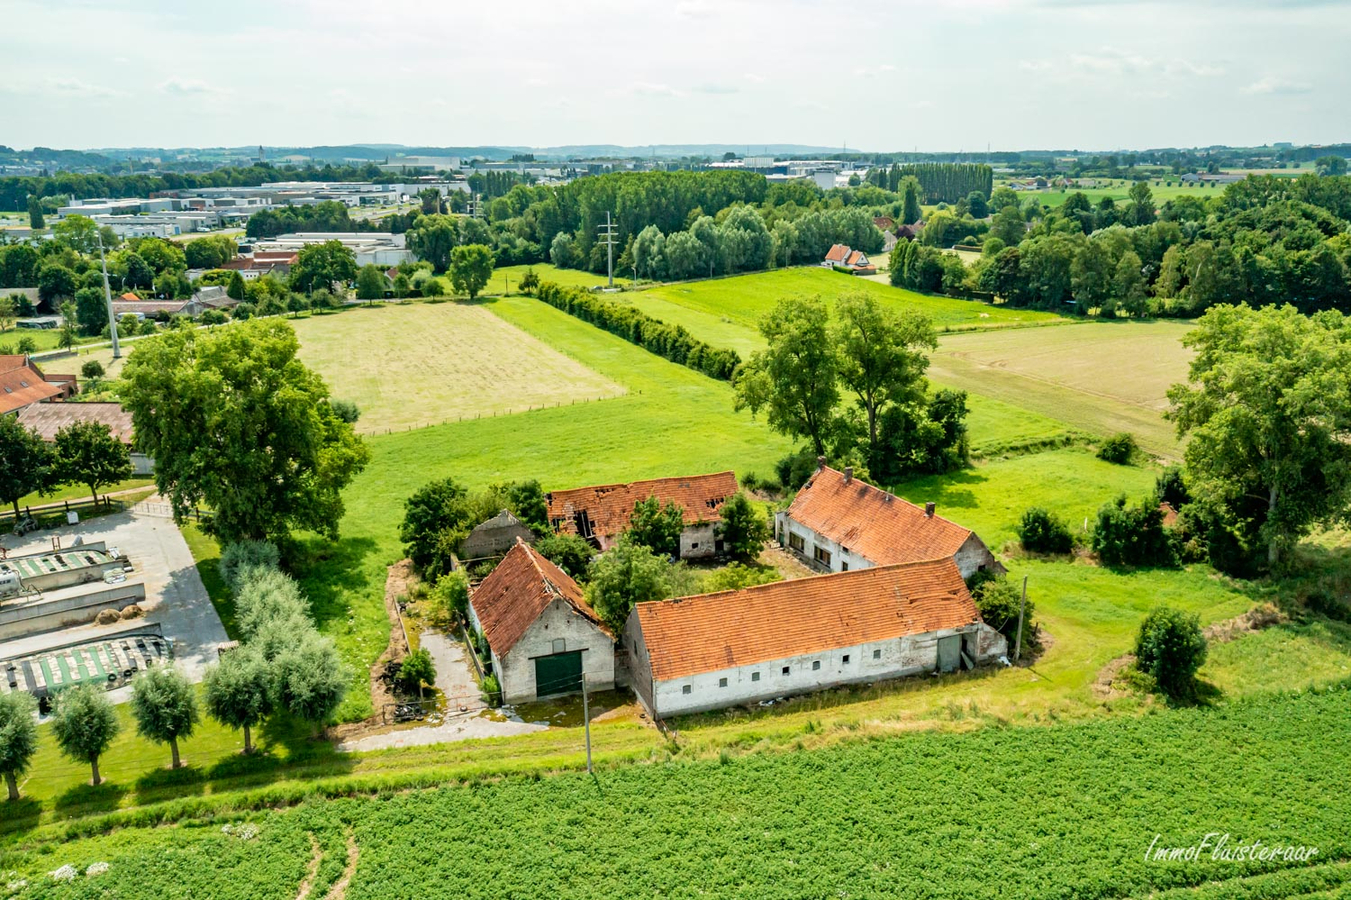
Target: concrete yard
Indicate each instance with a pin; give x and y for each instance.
(176, 599)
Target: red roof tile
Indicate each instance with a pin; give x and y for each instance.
(23, 383)
(522, 586)
(878, 526)
(837, 253)
(712, 632)
(609, 506)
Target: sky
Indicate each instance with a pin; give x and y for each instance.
(892, 75)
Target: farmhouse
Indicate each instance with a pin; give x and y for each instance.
(717, 650)
(854, 260)
(543, 636)
(49, 418)
(22, 384)
(495, 537)
(837, 523)
(600, 513)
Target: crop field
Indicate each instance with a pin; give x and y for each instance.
(1074, 806)
(411, 365)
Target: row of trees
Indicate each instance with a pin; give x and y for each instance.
(83, 453)
(876, 357)
(939, 182)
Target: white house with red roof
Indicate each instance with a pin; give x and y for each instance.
(855, 260)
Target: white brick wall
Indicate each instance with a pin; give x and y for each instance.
(969, 557)
(559, 621)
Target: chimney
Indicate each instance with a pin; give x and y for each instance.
(929, 509)
(848, 474)
(820, 463)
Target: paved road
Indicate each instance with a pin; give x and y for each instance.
(176, 599)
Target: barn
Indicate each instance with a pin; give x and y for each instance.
(543, 637)
(494, 537)
(712, 651)
(837, 523)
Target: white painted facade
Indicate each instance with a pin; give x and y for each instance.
(559, 629)
(699, 541)
(826, 555)
(877, 661)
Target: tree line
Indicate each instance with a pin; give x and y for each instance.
(940, 182)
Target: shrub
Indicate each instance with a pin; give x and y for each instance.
(1132, 535)
(999, 600)
(450, 597)
(1119, 448)
(1171, 648)
(1041, 531)
(346, 410)
(736, 576)
(743, 530)
(241, 555)
(92, 370)
(794, 469)
(265, 595)
(1170, 488)
(569, 552)
(417, 670)
(492, 691)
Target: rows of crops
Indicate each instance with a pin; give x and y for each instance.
(1062, 811)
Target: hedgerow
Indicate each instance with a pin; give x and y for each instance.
(672, 342)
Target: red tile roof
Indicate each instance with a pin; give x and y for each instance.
(148, 307)
(23, 383)
(518, 591)
(838, 253)
(49, 418)
(712, 632)
(880, 527)
(609, 506)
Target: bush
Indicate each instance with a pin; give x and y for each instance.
(999, 600)
(346, 410)
(1041, 531)
(1133, 535)
(492, 691)
(92, 370)
(241, 555)
(450, 597)
(1170, 488)
(1119, 448)
(736, 576)
(417, 670)
(743, 530)
(569, 552)
(266, 595)
(1171, 648)
(794, 469)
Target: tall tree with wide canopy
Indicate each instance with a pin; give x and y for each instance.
(234, 420)
(795, 378)
(1267, 407)
(164, 705)
(29, 463)
(239, 692)
(88, 454)
(882, 357)
(84, 725)
(325, 265)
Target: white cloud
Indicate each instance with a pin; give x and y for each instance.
(186, 87)
(74, 87)
(1271, 85)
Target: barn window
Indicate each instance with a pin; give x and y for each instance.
(844, 566)
(694, 546)
(685, 689)
(795, 541)
(877, 654)
(846, 659)
(722, 682)
(559, 645)
(755, 676)
(785, 670)
(822, 555)
(816, 665)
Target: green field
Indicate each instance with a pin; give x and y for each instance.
(1067, 811)
(43, 338)
(413, 365)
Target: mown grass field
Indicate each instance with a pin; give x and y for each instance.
(413, 365)
(1101, 377)
(1066, 811)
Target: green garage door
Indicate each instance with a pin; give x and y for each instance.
(558, 674)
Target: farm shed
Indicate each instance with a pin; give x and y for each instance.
(49, 418)
(22, 384)
(600, 513)
(837, 523)
(543, 636)
(495, 537)
(792, 637)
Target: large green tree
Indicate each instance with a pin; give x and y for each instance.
(657, 527)
(471, 266)
(433, 238)
(795, 379)
(370, 283)
(239, 692)
(84, 724)
(234, 420)
(882, 356)
(626, 574)
(328, 265)
(743, 531)
(18, 737)
(29, 463)
(87, 453)
(1267, 407)
(164, 705)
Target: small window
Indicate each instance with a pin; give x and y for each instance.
(844, 566)
(816, 665)
(877, 654)
(755, 676)
(722, 682)
(694, 546)
(785, 670)
(845, 660)
(822, 555)
(795, 542)
(559, 645)
(685, 689)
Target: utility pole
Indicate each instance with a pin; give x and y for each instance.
(607, 236)
(586, 722)
(108, 298)
(1018, 646)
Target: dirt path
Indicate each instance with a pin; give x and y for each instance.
(339, 889)
(316, 857)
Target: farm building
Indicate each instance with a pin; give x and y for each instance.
(23, 384)
(791, 637)
(543, 636)
(49, 418)
(600, 513)
(495, 537)
(854, 260)
(837, 523)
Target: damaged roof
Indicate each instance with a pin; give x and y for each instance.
(610, 506)
(518, 591)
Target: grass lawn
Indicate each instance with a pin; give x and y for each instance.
(507, 279)
(44, 339)
(412, 365)
(1101, 377)
(81, 492)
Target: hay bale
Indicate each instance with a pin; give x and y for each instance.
(107, 617)
(132, 612)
